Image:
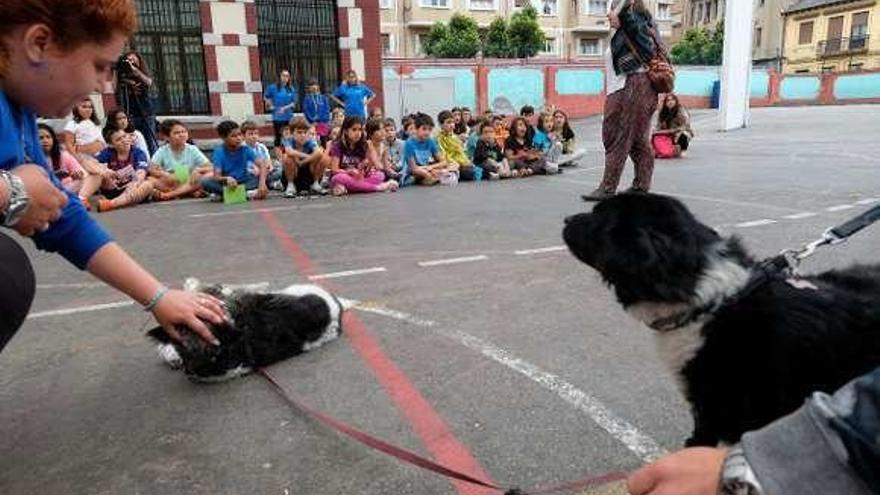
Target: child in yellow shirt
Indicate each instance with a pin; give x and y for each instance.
(452, 147)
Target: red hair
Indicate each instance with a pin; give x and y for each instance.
(73, 22)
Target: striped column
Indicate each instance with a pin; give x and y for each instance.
(360, 46)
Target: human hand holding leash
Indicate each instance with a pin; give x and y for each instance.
(46, 201)
(695, 471)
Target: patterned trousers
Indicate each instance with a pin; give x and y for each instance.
(626, 132)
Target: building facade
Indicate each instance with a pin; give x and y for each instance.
(832, 36)
(574, 29)
(216, 57)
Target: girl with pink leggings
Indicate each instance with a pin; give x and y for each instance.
(354, 165)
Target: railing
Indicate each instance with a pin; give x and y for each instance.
(837, 46)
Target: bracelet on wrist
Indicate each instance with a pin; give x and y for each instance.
(154, 301)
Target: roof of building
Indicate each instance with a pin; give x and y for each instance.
(811, 4)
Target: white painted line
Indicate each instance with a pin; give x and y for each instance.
(840, 208)
(84, 285)
(452, 261)
(551, 249)
(645, 447)
(798, 216)
(755, 223)
(868, 201)
(260, 210)
(80, 309)
(348, 273)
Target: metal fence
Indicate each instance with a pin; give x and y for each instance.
(169, 38)
(301, 36)
(835, 46)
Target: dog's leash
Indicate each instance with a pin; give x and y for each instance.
(833, 236)
(420, 461)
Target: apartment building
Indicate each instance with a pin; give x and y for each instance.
(768, 25)
(573, 28)
(831, 36)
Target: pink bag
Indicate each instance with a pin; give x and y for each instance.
(663, 146)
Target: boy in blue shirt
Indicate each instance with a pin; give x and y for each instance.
(422, 157)
(303, 161)
(354, 96)
(251, 132)
(231, 165)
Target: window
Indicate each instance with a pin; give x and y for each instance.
(663, 12)
(805, 36)
(699, 18)
(597, 7)
(418, 46)
(169, 38)
(856, 65)
(301, 37)
(758, 33)
(549, 46)
(385, 4)
(711, 11)
(518, 4)
(858, 36)
(589, 46)
(387, 50)
(548, 7)
(802, 71)
(693, 18)
(481, 4)
(434, 4)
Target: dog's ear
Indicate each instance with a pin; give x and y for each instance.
(160, 335)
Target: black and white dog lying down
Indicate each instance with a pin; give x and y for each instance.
(743, 357)
(263, 328)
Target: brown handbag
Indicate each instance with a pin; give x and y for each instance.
(661, 73)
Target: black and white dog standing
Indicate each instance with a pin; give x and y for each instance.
(262, 328)
(744, 357)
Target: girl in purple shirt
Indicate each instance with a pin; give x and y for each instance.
(354, 165)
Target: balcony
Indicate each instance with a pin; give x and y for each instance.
(842, 46)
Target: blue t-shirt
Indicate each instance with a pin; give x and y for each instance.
(316, 108)
(281, 96)
(354, 95)
(234, 163)
(541, 141)
(307, 147)
(423, 151)
(75, 236)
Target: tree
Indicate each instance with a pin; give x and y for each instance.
(460, 39)
(497, 43)
(700, 46)
(526, 36)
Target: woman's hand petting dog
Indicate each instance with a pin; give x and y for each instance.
(694, 471)
(186, 308)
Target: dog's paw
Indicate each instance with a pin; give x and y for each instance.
(170, 356)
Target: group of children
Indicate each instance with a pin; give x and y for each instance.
(111, 168)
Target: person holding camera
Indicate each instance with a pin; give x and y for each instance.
(133, 84)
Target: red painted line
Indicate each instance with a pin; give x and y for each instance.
(424, 420)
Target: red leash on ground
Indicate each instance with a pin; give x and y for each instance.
(422, 462)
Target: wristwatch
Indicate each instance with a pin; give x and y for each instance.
(18, 200)
(737, 477)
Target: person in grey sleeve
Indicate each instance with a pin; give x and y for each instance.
(831, 445)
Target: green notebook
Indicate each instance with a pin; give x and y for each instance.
(181, 173)
(234, 196)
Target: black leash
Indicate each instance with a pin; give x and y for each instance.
(783, 265)
(420, 461)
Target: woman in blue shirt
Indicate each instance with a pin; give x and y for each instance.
(354, 96)
(45, 67)
(316, 108)
(281, 97)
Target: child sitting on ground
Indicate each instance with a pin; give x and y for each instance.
(303, 161)
(489, 156)
(547, 140)
(407, 127)
(502, 130)
(375, 131)
(124, 173)
(65, 167)
(422, 156)
(570, 153)
(451, 146)
(394, 145)
(251, 132)
(177, 153)
(354, 166)
(520, 151)
(231, 160)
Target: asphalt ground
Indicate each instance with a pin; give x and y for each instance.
(475, 338)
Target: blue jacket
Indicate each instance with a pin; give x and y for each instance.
(76, 236)
(316, 108)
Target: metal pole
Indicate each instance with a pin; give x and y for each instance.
(736, 73)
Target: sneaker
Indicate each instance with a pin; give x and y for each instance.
(494, 176)
(276, 185)
(290, 192)
(317, 189)
(597, 195)
(551, 168)
(251, 194)
(215, 198)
